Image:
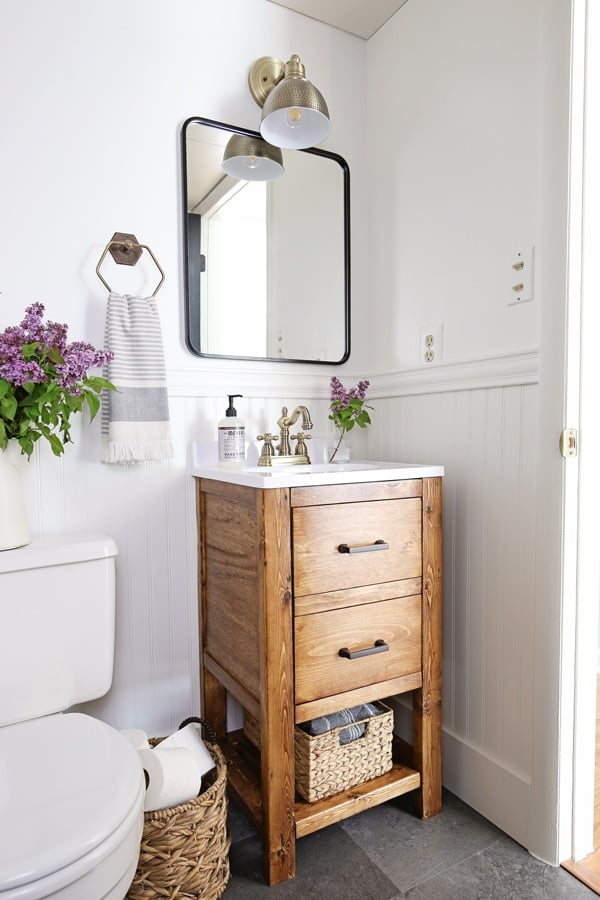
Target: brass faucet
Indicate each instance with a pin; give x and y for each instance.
(284, 454)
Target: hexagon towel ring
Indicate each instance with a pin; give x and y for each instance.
(126, 251)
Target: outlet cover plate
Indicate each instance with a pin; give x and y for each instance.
(431, 344)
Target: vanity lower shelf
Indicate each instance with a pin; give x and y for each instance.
(243, 771)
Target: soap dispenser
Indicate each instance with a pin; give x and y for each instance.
(232, 436)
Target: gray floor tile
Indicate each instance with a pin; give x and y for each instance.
(329, 865)
(408, 849)
(388, 853)
(505, 871)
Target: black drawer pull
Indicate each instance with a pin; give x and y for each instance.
(378, 647)
(363, 548)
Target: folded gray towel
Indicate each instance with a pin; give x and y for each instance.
(344, 717)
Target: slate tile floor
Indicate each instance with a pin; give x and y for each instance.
(387, 853)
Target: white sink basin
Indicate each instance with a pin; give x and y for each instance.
(315, 468)
(277, 476)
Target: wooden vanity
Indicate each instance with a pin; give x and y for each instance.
(281, 594)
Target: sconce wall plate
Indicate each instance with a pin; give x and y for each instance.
(264, 74)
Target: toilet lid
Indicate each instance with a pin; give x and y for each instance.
(66, 783)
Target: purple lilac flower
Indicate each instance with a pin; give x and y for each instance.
(340, 397)
(77, 357)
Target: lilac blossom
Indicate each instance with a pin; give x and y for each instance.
(44, 380)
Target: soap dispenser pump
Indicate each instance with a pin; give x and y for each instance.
(232, 436)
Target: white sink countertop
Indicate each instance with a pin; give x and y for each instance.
(204, 464)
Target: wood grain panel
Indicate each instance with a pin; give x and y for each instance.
(351, 493)
(322, 672)
(276, 649)
(427, 714)
(370, 593)
(232, 568)
(319, 530)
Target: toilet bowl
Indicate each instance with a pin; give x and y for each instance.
(71, 809)
(71, 787)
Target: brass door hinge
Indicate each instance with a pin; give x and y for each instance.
(568, 442)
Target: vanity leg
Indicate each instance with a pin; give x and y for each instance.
(427, 702)
(277, 697)
(214, 703)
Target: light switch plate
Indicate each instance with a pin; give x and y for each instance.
(520, 288)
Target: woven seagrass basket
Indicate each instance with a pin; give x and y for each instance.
(325, 767)
(185, 849)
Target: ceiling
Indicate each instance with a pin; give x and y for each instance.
(359, 17)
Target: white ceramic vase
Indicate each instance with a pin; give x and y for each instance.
(14, 528)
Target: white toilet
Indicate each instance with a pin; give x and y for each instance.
(71, 787)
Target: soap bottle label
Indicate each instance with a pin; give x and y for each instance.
(232, 444)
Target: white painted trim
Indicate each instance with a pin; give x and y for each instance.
(499, 794)
(489, 372)
(588, 571)
(207, 377)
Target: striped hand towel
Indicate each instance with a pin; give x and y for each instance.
(135, 417)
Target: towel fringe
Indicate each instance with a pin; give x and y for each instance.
(135, 451)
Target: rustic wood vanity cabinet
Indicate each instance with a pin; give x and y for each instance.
(288, 577)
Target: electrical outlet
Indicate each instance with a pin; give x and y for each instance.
(430, 348)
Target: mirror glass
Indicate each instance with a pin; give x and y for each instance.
(266, 263)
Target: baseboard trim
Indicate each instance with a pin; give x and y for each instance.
(484, 783)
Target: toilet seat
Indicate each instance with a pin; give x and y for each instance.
(71, 808)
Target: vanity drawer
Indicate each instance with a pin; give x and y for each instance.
(320, 670)
(319, 531)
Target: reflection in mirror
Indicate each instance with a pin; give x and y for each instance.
(267, 262)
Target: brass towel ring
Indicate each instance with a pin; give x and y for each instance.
(126, 251)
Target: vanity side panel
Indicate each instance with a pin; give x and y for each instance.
(232, 563)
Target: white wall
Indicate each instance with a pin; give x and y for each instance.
(454, 143)
(93, 97)
(467, 134)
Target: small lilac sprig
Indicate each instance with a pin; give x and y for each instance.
(44, 380)
(348, 408)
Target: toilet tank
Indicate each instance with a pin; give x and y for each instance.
(57, 624)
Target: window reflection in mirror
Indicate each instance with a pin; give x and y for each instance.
(267, 263)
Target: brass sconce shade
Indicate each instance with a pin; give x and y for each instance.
(250, 159)
(295, 114)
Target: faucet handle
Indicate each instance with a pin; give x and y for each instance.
(268, 450)
(301, 437)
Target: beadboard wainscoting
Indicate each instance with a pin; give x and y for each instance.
(485, 439)
(477, 419)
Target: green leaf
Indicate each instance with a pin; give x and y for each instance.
(26, 446)
(96, 384)
(4, 386)
(9, 407)
(29, 350)
(56, 444)
(93, 403)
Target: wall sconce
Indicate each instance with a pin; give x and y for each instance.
(250, 159)
(295, 114)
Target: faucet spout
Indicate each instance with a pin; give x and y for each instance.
(290, 420)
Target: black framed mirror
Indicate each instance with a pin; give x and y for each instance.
(267, 264)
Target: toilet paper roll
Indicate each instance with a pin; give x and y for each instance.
(136, 737)
(190, 737)
(173, 776)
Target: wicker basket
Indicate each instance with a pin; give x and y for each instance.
(325, 767)
(185, 849)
